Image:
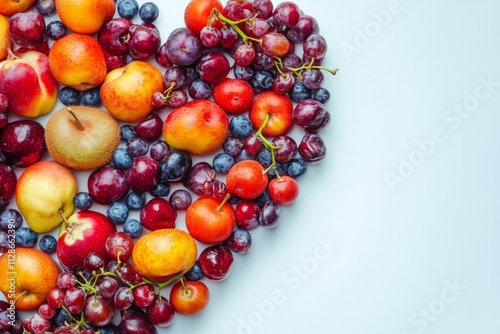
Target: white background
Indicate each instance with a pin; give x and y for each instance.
(404, 65)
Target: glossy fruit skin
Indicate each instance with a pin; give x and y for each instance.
(8, 180)
(99, 311)
(26, 28)
(207, 223)
(213, 67)
(190, 298)
(107, 185)
(199, 127)
(157, 214)
(216, 261)
(278, 107)
(197, 13)
(135, 321)
(284, 190)
(160, 312)
(183, 48)
(246, 179)
(88, 235)
(31, 70)
(85, 16)
(233, 95)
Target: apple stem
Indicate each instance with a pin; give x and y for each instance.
(79, 123)
(167, 282)
(226, 198)
(11, 54)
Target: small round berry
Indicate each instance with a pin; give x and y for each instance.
(47, 244)
(69, 96)
(26, 237)
(133, 228)
(149, 12)
(127, 8)
(83, 201)
(117, 213)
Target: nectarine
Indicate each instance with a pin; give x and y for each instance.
(10, 7)
(5, 37)
(85, 16)
(78, 61)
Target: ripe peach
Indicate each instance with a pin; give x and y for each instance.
(10, 7)
(164, 253)
(235, 96)
(199, 127)
(78, 61)
(4, 37)
(127, 91)
(26, 277)
(85, 16)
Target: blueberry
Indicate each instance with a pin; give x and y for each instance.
(55, 30)
(299, 92)
(244, 155)
(296, 167)
(149, 12)
(48, 244)
(117, 213)
(180, 199)
(133, 228)
(91, 97)
(26, 237)
(194, 274)
(264, 157)
(127, 132)
(63, 317)
(135, 201)
(127, 8)
(160, 190)
(10, 219)
(121, 159)
(83, 201)
(69, 96)
(321, 95)
(261, 81)
(222, 163)
(240, 126)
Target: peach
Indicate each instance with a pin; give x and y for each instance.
(26, 277)
(198, 127)
(127, 91)
(78, 61)
(163, 254)
(4, 37)
(85, 16)
(38, 95)
(10, 7)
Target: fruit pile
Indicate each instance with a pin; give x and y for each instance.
(215, 123)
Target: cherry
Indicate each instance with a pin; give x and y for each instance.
(160, 312)
(215, 262)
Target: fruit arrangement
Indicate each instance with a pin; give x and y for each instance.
(213, 122)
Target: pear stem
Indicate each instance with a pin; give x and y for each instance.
(79, 123)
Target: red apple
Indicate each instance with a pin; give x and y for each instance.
(82, 233)
(278, 108)
(38, 95)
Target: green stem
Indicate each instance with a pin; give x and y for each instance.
(234, 25)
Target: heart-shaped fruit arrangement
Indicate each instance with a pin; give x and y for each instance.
(215, 124)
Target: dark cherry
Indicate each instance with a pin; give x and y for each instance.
(22, 142)
(215, 262)
(107, 185)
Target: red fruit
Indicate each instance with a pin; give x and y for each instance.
(198, 12)
(246, 179)
(158, 213)
(235, 96)
(284, 190)
(278, 107)
(209, 222)
(189, 297)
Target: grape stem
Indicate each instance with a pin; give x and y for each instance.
(234, 25)
(268, 145)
